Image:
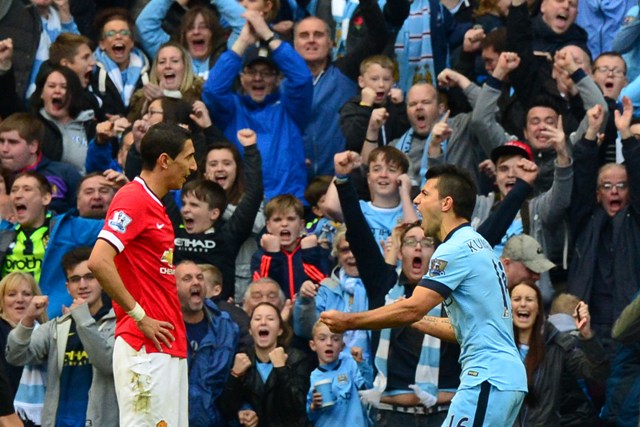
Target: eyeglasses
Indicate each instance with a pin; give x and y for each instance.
(265, 74)
(76, 279)
(112, 33)
(618, 72)
(608, 186)
(427, 242)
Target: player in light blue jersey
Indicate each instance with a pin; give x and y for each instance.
(468, 277)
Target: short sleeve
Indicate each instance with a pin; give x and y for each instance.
(125, 220)
(448, 267)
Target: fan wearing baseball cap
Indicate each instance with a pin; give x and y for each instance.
(524, 260)
(540, 216)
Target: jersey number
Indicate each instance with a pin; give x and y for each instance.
(502, 282)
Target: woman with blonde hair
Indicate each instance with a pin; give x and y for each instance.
(16, 291)
(171, 76)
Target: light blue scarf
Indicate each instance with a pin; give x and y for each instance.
(413, 46)
(426, 377)
(354, 287)
(138, 66)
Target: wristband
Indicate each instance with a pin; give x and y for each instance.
(373, 141)
(270, 39)
(137, 313)
(341, 179)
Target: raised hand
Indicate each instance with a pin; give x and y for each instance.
(556, 137)
(367, 96)
(278, 357)
(623, 121)
(526, 170)
(595, 117)
(346, 161)
(507, 62)
(396, 96)
(241, 364)
(36, 307)
(310, 241)
(583, 320)
(200, 115)
(247, 137)
(473, 40)
(309, 289)
(441, 130)
(378, 118)
(270, 242)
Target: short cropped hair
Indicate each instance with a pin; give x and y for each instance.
(113, 14)
(74, 257)
(381, 60)
(28, 126)
(390, 155)
(316, 189)
(66, 47)
(206, 191)
(456, 183)
(162, 138)
(564, 303)
(281, 203)
(43, 183)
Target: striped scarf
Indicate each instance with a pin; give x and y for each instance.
(138, 66)
(51, 28)
(426, 377)
(29, 400)
(413, 46)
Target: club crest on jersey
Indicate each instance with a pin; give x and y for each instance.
(436, 267)
(167, 258)
(119, 221)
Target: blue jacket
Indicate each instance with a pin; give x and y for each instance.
(323, 137)
(67, 231)
(278, 121)
(291, 269)
(346, 381)
(209, 367)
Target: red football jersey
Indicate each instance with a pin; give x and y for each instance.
(138, 227)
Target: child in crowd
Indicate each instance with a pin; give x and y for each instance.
(212, 280)
(390, 189)
(203, 202)
(346, 377)
(321, 225)
(377, 102)
(284, 255)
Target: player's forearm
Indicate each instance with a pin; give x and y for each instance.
(400, 313)
(439, 327)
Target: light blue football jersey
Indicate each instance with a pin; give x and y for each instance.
(381, 221)
(465, 270)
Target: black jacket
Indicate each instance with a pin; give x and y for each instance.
(281, 401)
(588, 219)
(566, 360)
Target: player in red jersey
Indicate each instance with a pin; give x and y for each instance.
(133, 260)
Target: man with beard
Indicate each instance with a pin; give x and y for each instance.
(212, 337)
(466, 275)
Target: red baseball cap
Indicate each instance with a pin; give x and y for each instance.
(512, 148)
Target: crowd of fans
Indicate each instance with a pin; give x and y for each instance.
(351, 103)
